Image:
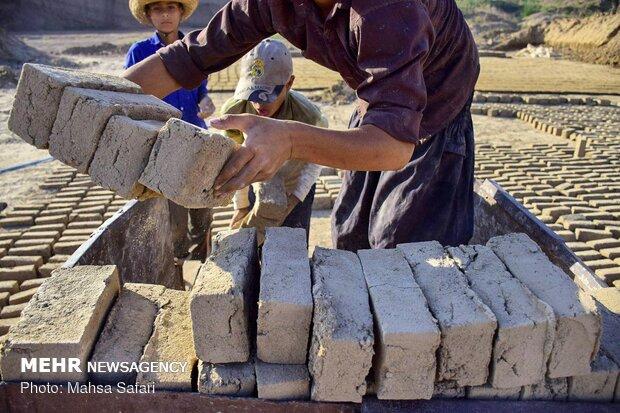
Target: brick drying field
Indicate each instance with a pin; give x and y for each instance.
(573, 186)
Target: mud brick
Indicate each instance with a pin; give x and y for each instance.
(600, 264)
(22, 296)
(4, 298)
(18, 273)
(123, 153)
(62, 320)
(448, 390)
(6, 324)
(17, 214)
(342, 337)
(597, 386)
(578, 327)
(285, 299)
(585, 235)
(282, 381)
(46, 269)
(16, 222)
(526, 325)
(271, 198)
(17, 260)
(12, 311)
(28, 284)
(184, 163)
(67, 247)
(467, 325)
(10, 286)
(408, 338)
(171, 341)
(48, 236)
(609, 275)
(85, 217)
(488, 392)
(38, 96)
(52, 219)
(588, 255)
(611, 253)
(223, 297)
(83, 115)
(230, 379)
(92, 225)
(135, 310)
(43, 250)
(603, 243)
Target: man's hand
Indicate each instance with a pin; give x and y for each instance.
(267, 146)
(206, 106)
(237, 218)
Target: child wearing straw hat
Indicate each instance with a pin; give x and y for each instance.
(195, 104)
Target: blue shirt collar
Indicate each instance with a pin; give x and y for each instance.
(156, 40)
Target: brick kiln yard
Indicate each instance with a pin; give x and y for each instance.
(557, 154)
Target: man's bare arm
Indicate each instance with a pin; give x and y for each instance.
(366, 148)
(270, 142)
(151, 75)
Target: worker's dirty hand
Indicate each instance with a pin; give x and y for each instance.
(237, 218)
(267, 146)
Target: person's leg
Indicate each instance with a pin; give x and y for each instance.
(300, 216)
(178, 228)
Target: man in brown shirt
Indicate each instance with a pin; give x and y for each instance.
(409, 148)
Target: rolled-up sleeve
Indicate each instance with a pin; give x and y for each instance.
(393, 42)
(234, 30)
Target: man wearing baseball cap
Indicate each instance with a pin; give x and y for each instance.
(264, 89)
(194, 104)
(409, 149)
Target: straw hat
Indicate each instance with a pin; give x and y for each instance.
(138, 7)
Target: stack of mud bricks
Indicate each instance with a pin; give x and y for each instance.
(494, 321)
(246, 348)
(126, 141)
(83, 313)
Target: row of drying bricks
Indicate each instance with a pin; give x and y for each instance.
(102, 125)
(38, 237)
(495, 321)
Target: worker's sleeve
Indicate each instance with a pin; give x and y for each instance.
(392, 56)
(232, 32)
(132, 57)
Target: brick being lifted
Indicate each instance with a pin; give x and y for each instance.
(38, 96)
(83, 115)
(184, 163)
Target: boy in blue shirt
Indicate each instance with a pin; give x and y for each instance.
(195, 105)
